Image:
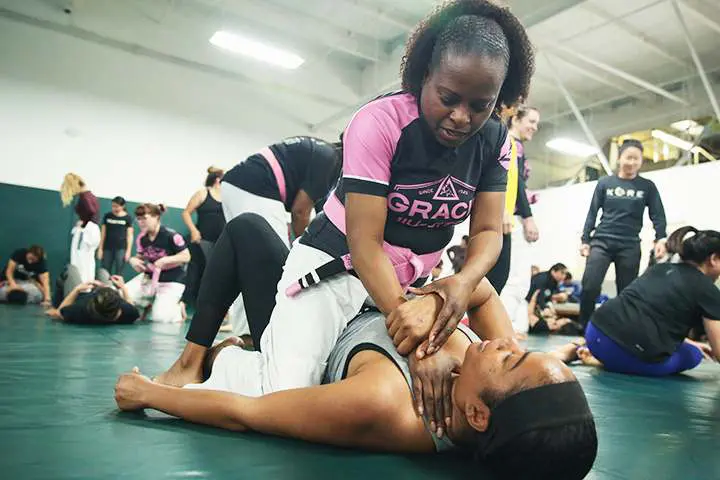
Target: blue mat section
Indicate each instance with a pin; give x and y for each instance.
(58, 418)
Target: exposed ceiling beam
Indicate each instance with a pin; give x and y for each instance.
(617, 72)
(387, 71)
(589, 74)
(264, 87)
(632, 31)
(312, 29)
(605, 101)
(704, 19)
(380, 14)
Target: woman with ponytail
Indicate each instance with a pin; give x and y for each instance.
(86, 232)
(643, 331)
(161, 254)
(206, 203)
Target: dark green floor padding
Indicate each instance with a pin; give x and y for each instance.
(58, 419)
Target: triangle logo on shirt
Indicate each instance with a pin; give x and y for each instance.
(446, 190)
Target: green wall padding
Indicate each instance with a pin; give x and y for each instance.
(36, 216)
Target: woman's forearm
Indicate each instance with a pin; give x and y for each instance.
(69, 299)
(483, 251)
(377, 275)
(207, 407)
(187, 219)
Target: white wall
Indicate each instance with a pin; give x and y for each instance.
(130, 125)
(689, 194)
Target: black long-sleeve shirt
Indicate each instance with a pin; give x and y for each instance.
(623, 203)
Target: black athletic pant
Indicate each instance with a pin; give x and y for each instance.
(199, 253)
(626, 257)
(248, 257)
(498, 275)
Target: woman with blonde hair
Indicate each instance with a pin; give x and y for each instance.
(86, 232)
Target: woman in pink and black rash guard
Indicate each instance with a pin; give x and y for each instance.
(416, 163)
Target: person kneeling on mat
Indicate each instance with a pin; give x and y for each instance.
(100, 302)
(161, 254)
(366, 401)
(25, 278)
(644, 330)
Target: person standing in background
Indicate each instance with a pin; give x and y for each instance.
(86, 232)
(519, 230)
(207, 204)
(116, 236)
(623, 199)
(458, 253)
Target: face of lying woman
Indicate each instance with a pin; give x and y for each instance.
(493, 367)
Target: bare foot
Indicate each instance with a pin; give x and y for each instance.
(587, 358)
(567, 353)
(186, 369)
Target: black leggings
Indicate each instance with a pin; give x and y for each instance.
(247, 258)
(498, 274)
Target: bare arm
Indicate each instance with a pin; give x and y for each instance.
(10, 273)
(129, 242)
(487, 315)
(350, 413)
(712, 327)
(103, 232)
(366, 216)
(300, 212)
(485, 236)
(44, 280)
(195, 201)
(181, 257)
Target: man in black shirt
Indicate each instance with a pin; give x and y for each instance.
(623, 199)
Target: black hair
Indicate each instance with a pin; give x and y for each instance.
(470, 26)
(17, 297)
(557, 267)
(696, 248)
(119, 200)
(630, 143)
(568, 276)
(38, 251)
(104, 305)
(565, 452)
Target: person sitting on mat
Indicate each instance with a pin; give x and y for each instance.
(160, 255)
(644, 330)
(363, 368)
(25, 278)
(95, 302)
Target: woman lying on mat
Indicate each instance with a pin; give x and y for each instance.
(100, 302)
(522, 413)
(643, 331)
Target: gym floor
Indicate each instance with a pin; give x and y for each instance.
(58, 418)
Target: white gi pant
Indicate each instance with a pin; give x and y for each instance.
(518, 283)
(85, 241)
(164, 303)
(302, 332)
(236, 201)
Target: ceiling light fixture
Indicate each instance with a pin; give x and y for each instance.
(254, 49)
(571, 147)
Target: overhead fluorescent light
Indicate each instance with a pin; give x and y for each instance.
(571, 147)
(254, 49)
(688, 126)
(672, 140)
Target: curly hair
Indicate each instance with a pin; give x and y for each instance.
(471, 26)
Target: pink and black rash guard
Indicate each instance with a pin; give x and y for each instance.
(167, 243)
(389, 151)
